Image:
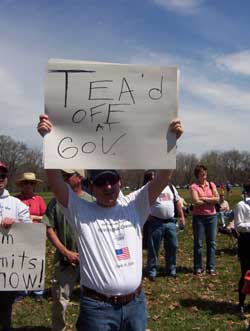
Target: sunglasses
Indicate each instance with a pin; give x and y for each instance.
(103, 180)
(3, 176)
(28, 182)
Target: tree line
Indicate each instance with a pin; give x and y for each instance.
(223, 166)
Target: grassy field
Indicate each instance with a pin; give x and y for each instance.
(185, 303)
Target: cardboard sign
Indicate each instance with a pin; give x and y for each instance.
(110, 115)
(22, 257)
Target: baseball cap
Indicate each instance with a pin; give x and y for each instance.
(73, 171)
(3, 166)
(95, 174)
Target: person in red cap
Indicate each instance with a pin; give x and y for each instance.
(242, 226)
(12, 210)
(109, 240)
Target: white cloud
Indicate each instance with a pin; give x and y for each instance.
(10, 93)
(207, 129)
(216, 93)
(20, 109)
(194, 81)
(215, 115)
(149, 57)
(186, 7)
(236, 62)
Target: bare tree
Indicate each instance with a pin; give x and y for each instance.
(185, 168)
(233, 164)
(213, 161)
(19, 158)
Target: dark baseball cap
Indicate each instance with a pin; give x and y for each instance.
(3, 166)
(95, 174)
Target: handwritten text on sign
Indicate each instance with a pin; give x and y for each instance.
(110, 115)
(22, 257)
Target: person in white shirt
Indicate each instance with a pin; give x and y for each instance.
(242, 226)
(109, 238)
(12, 210)
(162, 226)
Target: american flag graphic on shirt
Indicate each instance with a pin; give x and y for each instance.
(122, 253)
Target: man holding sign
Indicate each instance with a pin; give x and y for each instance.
(109, 238)
(12, 210)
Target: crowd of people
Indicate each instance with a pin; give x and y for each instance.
(98, 237)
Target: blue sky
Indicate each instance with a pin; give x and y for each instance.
(209, 40)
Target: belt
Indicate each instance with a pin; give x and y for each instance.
(170, 220)
(114, 299)
(164, 220)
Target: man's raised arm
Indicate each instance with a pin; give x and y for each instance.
(58, 186)
(55, 179)
(163, 177)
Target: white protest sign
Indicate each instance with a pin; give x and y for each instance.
(110, 115)
(22, 257)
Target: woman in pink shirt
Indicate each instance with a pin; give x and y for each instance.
(204, 196)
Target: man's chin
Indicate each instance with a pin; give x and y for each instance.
(108, 202)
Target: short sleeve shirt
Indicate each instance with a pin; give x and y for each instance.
(13, 208)
(55, 219)
(110, 241)
(204, 191)
(164, 205)
(242, 216)
(36, 204)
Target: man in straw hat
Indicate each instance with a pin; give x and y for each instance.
(109, 238)
(12, 211)
(66, 258)
(37, 206)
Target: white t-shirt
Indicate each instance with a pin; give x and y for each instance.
(109, 241)
(164, 206)
(13, 208)
(242, 216)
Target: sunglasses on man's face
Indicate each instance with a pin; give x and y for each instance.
(3, 176)
(102, 181)
(28, 182)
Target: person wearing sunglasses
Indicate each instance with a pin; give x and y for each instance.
(109, 238)
(66, 258)
(12, 210)
(27, 183)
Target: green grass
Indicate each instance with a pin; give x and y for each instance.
(187, 303)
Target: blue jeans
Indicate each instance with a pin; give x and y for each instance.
(221, 218)
(229, 215)
(158, 230)
(207, 225)
(100, 316)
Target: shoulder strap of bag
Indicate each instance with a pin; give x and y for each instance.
(173, 191)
